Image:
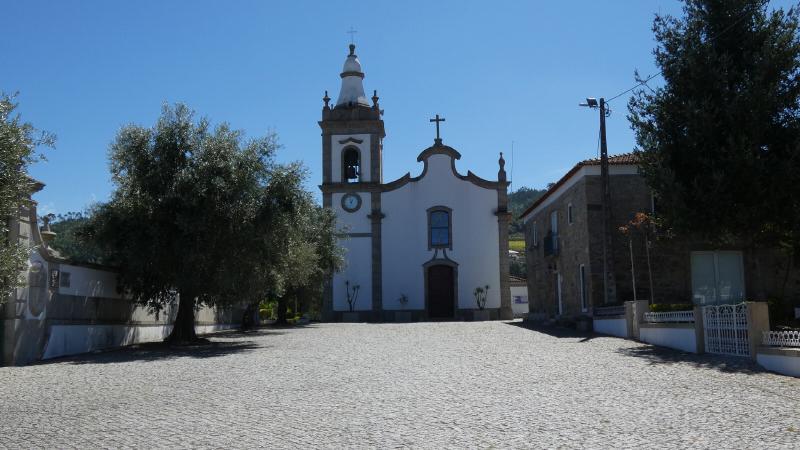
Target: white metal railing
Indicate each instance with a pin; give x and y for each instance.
(789, 338)
(725, 329)
(669, 317)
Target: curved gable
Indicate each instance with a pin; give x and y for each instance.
(453, 154)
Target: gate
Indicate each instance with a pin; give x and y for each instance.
(725, 329)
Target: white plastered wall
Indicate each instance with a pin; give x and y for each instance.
(352, 222)
(87, 282)
(405, 237)
(358, 254)
(336, 156)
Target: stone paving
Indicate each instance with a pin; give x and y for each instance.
(432, 385)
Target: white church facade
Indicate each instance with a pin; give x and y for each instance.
(415, 248)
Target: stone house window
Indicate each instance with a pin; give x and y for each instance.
(551, 240)
(582, 281)
(534, 236)
(570, 219)
(717, 277)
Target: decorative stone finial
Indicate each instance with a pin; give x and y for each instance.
(501, 174)
(352, 50)
(375, 99)
(47, 234)
(326, 99)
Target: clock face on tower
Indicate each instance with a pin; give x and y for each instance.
(351, 202)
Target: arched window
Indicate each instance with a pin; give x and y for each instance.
(440, 227)
(351, 165)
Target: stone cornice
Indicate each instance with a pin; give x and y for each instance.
(352, 126)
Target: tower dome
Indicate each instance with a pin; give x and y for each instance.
(352, 92)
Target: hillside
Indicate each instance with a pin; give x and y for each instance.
(518, 201)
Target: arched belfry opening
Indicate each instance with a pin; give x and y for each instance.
(351, 165)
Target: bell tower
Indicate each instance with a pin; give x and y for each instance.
(352, 172)
(355, 124)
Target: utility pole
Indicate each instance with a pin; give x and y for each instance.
(609, 287)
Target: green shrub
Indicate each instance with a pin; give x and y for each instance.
(669, 307)
(267, 309)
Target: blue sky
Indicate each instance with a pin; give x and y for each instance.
(498, 71)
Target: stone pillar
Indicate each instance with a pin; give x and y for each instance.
(757, 324)
(699, 331)
(503, 219)
(377, 271)
(634, 315)
(506, 312)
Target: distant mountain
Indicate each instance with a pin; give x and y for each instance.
(518, 201)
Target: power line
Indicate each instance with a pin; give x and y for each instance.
(598, 143)
(644, 82)
(636, 86)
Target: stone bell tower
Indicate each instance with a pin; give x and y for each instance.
(352, 172)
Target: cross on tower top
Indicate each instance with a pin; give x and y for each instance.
(438, 140)
(352, 31)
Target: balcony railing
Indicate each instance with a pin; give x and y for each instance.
(551, 244)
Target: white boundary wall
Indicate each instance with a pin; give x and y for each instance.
(678, 338)
(785, 361)
(76, 339)
(520, 309)
(614, 326)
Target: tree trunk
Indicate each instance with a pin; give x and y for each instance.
(183, 331)
(649, 270)
(249, 316)
(633, 270)
(280, 316)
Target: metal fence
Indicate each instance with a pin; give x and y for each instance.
(789, 338)
(669, 317)
(726, 329)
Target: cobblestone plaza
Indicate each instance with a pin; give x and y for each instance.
(433, 385)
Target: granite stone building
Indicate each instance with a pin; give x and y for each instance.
(416, 247)
(564, 239)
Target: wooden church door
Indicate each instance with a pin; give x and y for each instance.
(441, 292)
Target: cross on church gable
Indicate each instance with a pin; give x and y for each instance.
(438, 119)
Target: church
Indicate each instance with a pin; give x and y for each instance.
(427, 247)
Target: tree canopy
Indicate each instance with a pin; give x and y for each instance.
(18, 150)
(720, 139)
(197, 212)
(68, 242)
